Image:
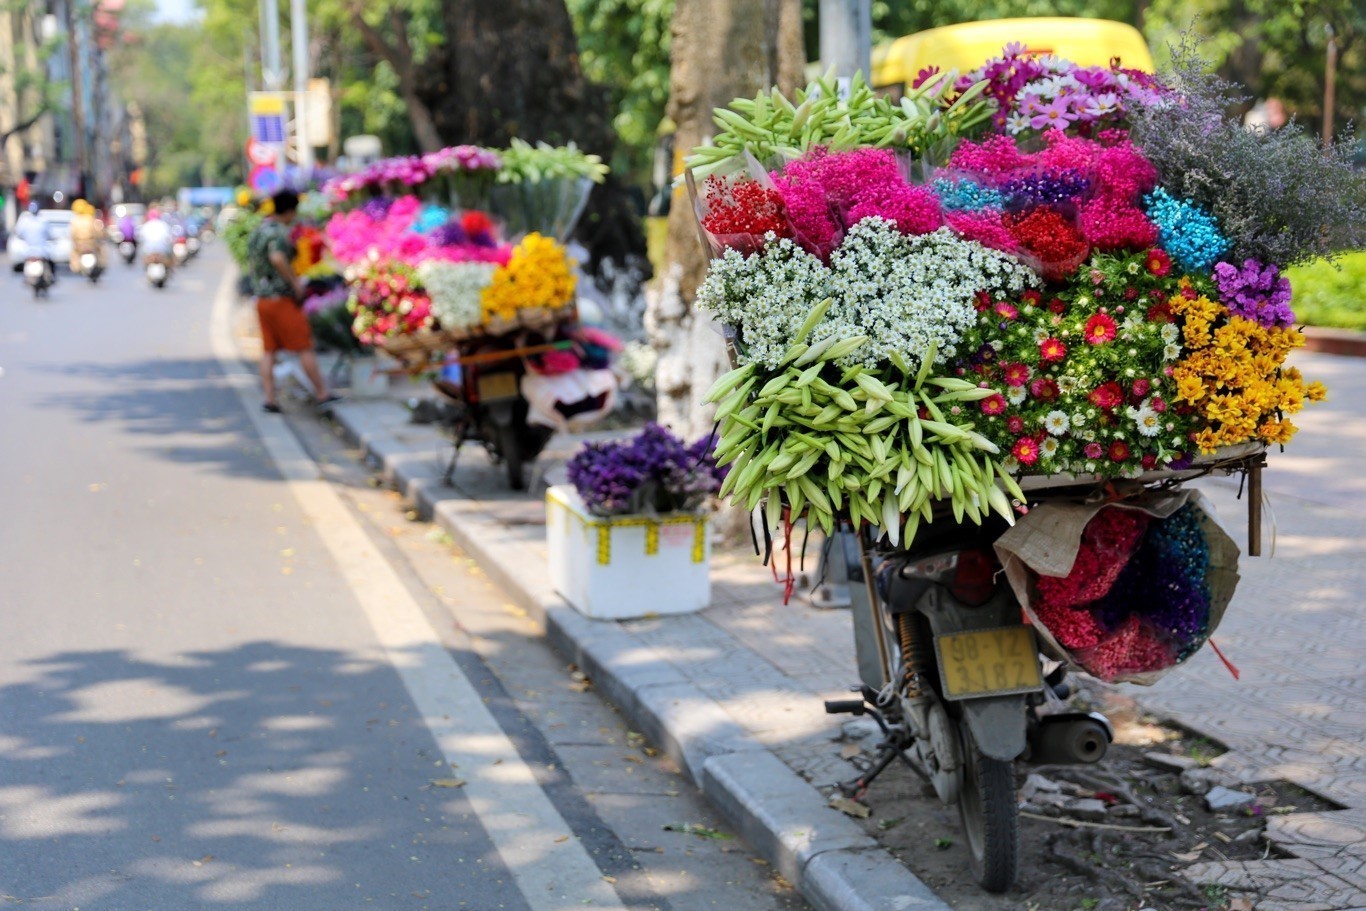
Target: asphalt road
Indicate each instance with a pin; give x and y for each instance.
(225, 681)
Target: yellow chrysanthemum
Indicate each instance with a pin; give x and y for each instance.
(538, 274)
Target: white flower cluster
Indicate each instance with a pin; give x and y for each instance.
(455, 290)
(909, 293)
(640, 360)
(766, 296)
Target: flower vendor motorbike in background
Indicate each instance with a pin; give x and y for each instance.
(486, 405)
(987, 331)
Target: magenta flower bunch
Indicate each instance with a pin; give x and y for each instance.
(455, 159)
(383, 230)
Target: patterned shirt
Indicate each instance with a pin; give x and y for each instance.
(269, 237)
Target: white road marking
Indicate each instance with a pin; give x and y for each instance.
(552, 869)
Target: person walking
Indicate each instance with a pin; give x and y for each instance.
(279, 294)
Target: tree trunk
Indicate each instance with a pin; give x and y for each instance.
(510, 69)
(722, 49)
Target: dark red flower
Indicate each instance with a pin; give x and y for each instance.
(1094, 450)
(1160, 313)
(1056, 305)
(1015, 374)
(1158, 404)
(1119, 451)
(1044, 388)
(1141, 387)
(981, 302)
(1130, 294)
(1108, 396)
(1015, 424)
(1032, 296)
(1158, 262)
(1149, 461)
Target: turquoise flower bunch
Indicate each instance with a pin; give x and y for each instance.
(1186, 231)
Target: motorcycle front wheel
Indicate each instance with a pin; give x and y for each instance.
(990, 817)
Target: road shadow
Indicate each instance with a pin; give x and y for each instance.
(177, 409)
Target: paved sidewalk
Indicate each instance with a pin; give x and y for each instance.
(735, 692)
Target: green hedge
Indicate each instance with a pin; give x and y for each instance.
(1331, 295)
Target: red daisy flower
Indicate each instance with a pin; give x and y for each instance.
(1007, 309)
(1159, 263)
(1158, 404)
(1026, 450)
(1056, 305)
(1149, 462)
(1108, 396)
(1119, 451)
(1044, 388)
(1032, 297)
(1052, 349)
(1099, 329)
(1160, 313)
(982, 302)
(1015, 424)
(994, 405)
(1015, 374)
(1094, 450)
(1141, 387)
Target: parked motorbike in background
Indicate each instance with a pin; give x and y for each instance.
(39, 275)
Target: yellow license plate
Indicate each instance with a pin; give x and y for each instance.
(988, 662)
(495, 386)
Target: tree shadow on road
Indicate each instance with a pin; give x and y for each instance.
(178, 409)
(260, 776)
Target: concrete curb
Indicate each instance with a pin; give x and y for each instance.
(819, 850)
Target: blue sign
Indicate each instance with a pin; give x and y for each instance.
(268, 128)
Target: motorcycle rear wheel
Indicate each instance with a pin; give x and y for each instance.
(989, 811)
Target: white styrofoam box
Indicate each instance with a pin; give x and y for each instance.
(622, 567)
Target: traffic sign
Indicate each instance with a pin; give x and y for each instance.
(266, 113)
(264, 180)
(260, 154)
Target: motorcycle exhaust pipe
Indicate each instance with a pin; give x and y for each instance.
(1070, 738)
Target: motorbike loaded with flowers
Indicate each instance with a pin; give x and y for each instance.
(436, 284)
(985, 334)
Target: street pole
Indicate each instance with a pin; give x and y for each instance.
(846, 34)
(298, 29)
(272, 73)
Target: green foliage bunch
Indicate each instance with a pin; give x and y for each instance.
(237, 233)
(1281, 196)
(770, 126)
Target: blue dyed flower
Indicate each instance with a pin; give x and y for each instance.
(430, 218)
(966, 196)
(1186, 231)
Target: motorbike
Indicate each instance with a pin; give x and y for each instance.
(158, 269)
(954, 678)
(484, 404)
(38, 275)
(90, 266)
(128, 249)
(180, 251)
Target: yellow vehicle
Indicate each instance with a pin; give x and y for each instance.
(966, 46)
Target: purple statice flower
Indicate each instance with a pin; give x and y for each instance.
(376, 209)
(1257, 292)
(652, 472)
(451, 234)
(1047, 187)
